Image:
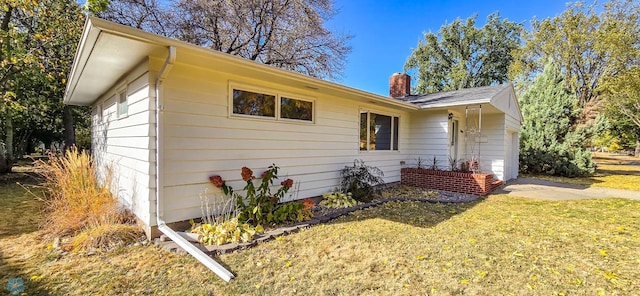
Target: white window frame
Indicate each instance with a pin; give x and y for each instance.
(393, 123)
(122, 91)
(99, 112)
(278, 103)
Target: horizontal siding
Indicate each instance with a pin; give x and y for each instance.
(124, 144)
(201, 140)
(428, 138)
(492, 152)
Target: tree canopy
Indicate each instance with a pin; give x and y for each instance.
(288, 34)
(38, 39)
(587, 45)
(462, 55)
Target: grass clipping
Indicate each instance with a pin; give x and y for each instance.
(80, 207)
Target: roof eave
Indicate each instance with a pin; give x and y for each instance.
(95, 26)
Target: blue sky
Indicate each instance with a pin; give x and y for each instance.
(386, 31)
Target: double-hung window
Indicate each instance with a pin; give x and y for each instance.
(378, 131)
(251, 102)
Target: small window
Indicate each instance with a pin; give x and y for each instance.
(123, 106)
(378, 132)
(296, 109)
(99, 112)
(255, 104)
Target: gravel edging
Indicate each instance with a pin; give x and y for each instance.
(326, 216)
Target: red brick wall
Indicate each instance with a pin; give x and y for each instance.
(469, 183)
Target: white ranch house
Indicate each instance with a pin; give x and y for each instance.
(168, 114)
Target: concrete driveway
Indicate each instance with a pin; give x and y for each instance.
(541, 189)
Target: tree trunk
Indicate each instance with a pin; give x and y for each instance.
(638, 148)
(8, 141)
(69, 130)
(4, 167)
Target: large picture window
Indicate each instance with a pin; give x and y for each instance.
(270, 104)
(378, 131)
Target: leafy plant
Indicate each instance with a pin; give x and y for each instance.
(359, 180)
(229, 231)
(259, 205)
(291, 211)
(337, 200)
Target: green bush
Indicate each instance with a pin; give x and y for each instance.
(337, 200)
(360, 180)
(552, 138)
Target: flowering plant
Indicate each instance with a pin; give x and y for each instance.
(259, 204)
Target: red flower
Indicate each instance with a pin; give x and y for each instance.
(247, 174)
(308, 203)
(288, 183)
(216, 181)
(264, 174)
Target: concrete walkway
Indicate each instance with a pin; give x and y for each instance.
(541, 189)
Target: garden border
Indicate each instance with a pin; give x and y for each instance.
(462, 182)
(212, 250)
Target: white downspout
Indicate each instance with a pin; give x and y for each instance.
(162, 226)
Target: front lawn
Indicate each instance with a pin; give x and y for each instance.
(500, 245)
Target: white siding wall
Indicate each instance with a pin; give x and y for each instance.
(124, 145)
(492, 151)
(512, 144)
(201, 140)
(428, 137)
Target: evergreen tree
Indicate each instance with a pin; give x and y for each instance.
(550, 142)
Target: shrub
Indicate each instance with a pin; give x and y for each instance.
(259, 205)
(552, 140)
(80, 206)
(360, 179)
(337, 200)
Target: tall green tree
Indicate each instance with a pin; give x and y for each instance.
(549, 144)
(588, 44)
(463, 56)
(38, 43)
(623, 98)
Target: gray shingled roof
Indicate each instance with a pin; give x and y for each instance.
(476, 95)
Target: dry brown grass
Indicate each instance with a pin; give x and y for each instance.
(75, 200)
(498, 246)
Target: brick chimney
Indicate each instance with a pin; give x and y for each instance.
(399, 85)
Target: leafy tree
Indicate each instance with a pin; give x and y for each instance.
(38, 43)
(288, 34)
(587, 45)
(549, 143)
(623, 98)
(463, 56)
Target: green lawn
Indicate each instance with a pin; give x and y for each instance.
(500, 245)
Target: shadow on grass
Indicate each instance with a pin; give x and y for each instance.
(19, 217)
(414, 213)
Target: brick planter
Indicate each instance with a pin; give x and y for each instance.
(461, 182)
